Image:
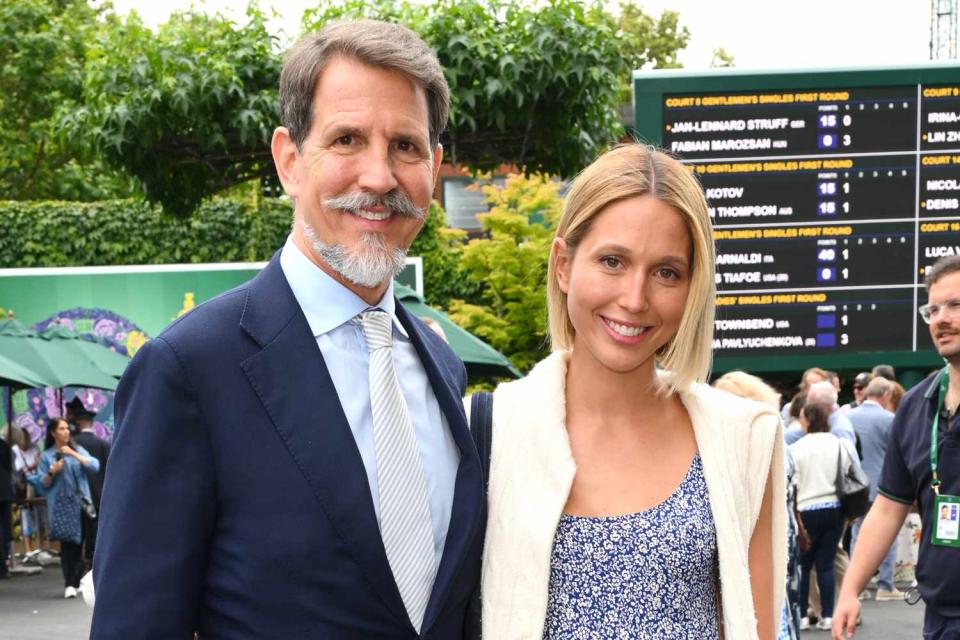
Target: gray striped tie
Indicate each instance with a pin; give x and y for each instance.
(405, 524)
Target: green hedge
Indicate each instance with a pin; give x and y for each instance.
(120, 232)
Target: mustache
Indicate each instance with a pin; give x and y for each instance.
(396, 201)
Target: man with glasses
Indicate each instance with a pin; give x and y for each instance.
(859, 391)
(913, 470)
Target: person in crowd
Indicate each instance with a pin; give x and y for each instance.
(834, 378)
(896, 395)
(62, 474)
(100, 449)
(26, 460)
(616, 491)
(871, 421)
(810, 377)
(815, 458)
(746, 385)
(824, 393)
(884, 371)
(292, 458)
(860, 383)
(925, 435)
(7, 497)
(793, 415)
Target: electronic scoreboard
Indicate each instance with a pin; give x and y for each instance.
(830, 193)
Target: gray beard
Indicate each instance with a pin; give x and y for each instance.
(370, 265)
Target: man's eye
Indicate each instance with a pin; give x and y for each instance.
(406, 147)
(953, 305)
(346, 140)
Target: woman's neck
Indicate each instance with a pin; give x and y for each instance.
(593, 389)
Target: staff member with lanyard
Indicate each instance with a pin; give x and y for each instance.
(923, 465)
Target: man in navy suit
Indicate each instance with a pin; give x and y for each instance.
(248, 495)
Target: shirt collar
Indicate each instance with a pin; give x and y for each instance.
(326, 303)
(933, 389)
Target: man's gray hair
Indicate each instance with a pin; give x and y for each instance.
(822, 393)
(374, 43)
(878, 387)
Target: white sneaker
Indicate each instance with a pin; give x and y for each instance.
(70, 592)
(825, 624)
(804, 623)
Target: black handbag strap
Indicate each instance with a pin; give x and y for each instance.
(481, 426)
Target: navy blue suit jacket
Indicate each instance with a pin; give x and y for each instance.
(236, 503)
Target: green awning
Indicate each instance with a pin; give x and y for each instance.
(480, 358)
(102, 357)
(13, 374)
(54, 363)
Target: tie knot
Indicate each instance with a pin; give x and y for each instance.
(378, 329)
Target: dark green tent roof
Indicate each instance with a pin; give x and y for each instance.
(480, 358)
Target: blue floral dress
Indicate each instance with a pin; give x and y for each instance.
(647, 575)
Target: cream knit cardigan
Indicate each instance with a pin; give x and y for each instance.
(532, 469)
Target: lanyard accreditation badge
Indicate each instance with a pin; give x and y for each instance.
(946, 516)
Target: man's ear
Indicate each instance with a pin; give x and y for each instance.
(285, 155)
(437, 160)
(561, 257)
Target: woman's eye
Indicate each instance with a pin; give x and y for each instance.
(611, 262)
(668, 273)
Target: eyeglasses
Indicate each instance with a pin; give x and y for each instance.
(929, 311)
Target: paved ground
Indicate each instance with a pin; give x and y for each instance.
(33, 608)
(884, 621)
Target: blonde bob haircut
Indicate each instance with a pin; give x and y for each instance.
(630, 171)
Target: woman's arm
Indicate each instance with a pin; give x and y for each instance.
(761, 566)
(48, 470)
(90, 464)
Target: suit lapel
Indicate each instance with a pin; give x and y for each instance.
(465, 516)
(292, 382)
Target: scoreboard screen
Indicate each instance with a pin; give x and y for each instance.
(830, 193)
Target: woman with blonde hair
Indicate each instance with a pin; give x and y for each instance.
(745, 385)
(627, 501)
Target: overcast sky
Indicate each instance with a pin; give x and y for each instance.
(760, 34)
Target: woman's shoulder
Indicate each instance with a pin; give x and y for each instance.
(725, 408)
(544, 382)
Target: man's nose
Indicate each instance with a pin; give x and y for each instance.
(376, 172)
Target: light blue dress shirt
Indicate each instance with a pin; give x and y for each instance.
(330, 309)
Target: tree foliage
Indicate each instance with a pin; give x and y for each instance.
(511, 267)
(442, 249)
(188, 110)
(121, 232)
(722, 59)
(44, 51)
(649, 43)
(532, 84)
